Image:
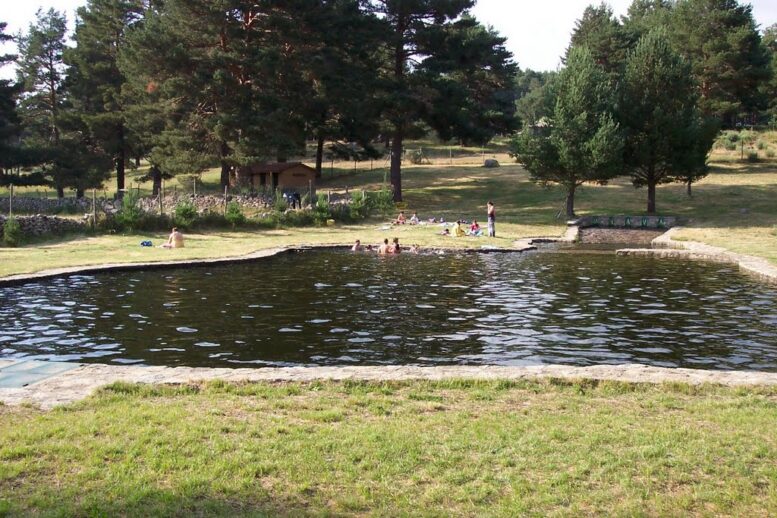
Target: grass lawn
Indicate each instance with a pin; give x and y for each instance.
(733, 207)
(451, 448)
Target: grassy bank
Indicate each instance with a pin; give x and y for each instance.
(435, 448)
(733, 207)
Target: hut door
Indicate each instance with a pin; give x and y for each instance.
(275, 180)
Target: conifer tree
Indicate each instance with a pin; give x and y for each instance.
(95, 80)
(729, 63)
(664, 139)
(9, 118)
(583, 143)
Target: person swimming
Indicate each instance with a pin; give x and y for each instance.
(384, 248)
(357, 246)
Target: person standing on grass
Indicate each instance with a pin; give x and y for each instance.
(491, 210)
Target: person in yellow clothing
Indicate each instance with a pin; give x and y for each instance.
(458, 231)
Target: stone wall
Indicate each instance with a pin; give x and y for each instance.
(35, 205)
(626, 221)
(41, 224)
(593, 235)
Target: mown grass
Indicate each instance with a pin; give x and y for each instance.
(453, 448)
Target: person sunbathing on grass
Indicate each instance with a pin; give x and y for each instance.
(401, 219)
(175, 240)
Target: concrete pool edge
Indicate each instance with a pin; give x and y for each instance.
(78, 383)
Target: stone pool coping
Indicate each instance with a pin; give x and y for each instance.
(78, 383)
(665, 247)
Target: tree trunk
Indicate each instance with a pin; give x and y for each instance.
(120, 159)
(396, 164)
(225, 167)
(60, 192)
(79, 193)
(571, 202)
(156, 178)
(688, 189)
(651, 205)
(319, 154)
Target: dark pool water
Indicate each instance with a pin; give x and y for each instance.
(337, 308)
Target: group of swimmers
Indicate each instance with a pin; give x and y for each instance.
(385, 248)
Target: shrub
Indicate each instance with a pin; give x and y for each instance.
(418, 157)
(321, 210)
(12, 232)
(752, 156)
(769, 153)
(280, 204)
(359, 208)
(382, 201)
(296, 218)
(730, 146)
(130, 215)
(234, 214)
(761, 145)
(185, 214)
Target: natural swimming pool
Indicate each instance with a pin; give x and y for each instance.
(339, 308)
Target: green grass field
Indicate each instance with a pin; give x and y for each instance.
(733, 207)
(450, 448)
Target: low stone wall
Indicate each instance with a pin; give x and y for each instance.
(34, 205)
(626, 221)
(42, 224)
(593, 235)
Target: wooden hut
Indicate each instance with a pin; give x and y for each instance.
(293, 176)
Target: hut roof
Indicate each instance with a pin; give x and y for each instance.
(277, 167)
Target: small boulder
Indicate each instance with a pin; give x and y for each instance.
(491, 162)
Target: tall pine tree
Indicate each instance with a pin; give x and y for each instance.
(664, 142)
(95, 80)
(583, 143)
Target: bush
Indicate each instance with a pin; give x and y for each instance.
(234, 214)
(359, 207)
(752, 156)
(418, 157)
(730, 146)
(280, 204)
(321, 210)
(130, 215)
(769, 153)
(185, 214)
(296, 218)
(12, 232)
(382, 201)
(761, 145)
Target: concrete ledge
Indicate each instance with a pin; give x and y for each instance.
(78, 383)
(665, 247)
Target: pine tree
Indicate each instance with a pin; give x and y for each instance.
(720, 40)
(10, 127)
(583, 143)
(664, 142)
(415, 32)
(600, 32)
(95, 80)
